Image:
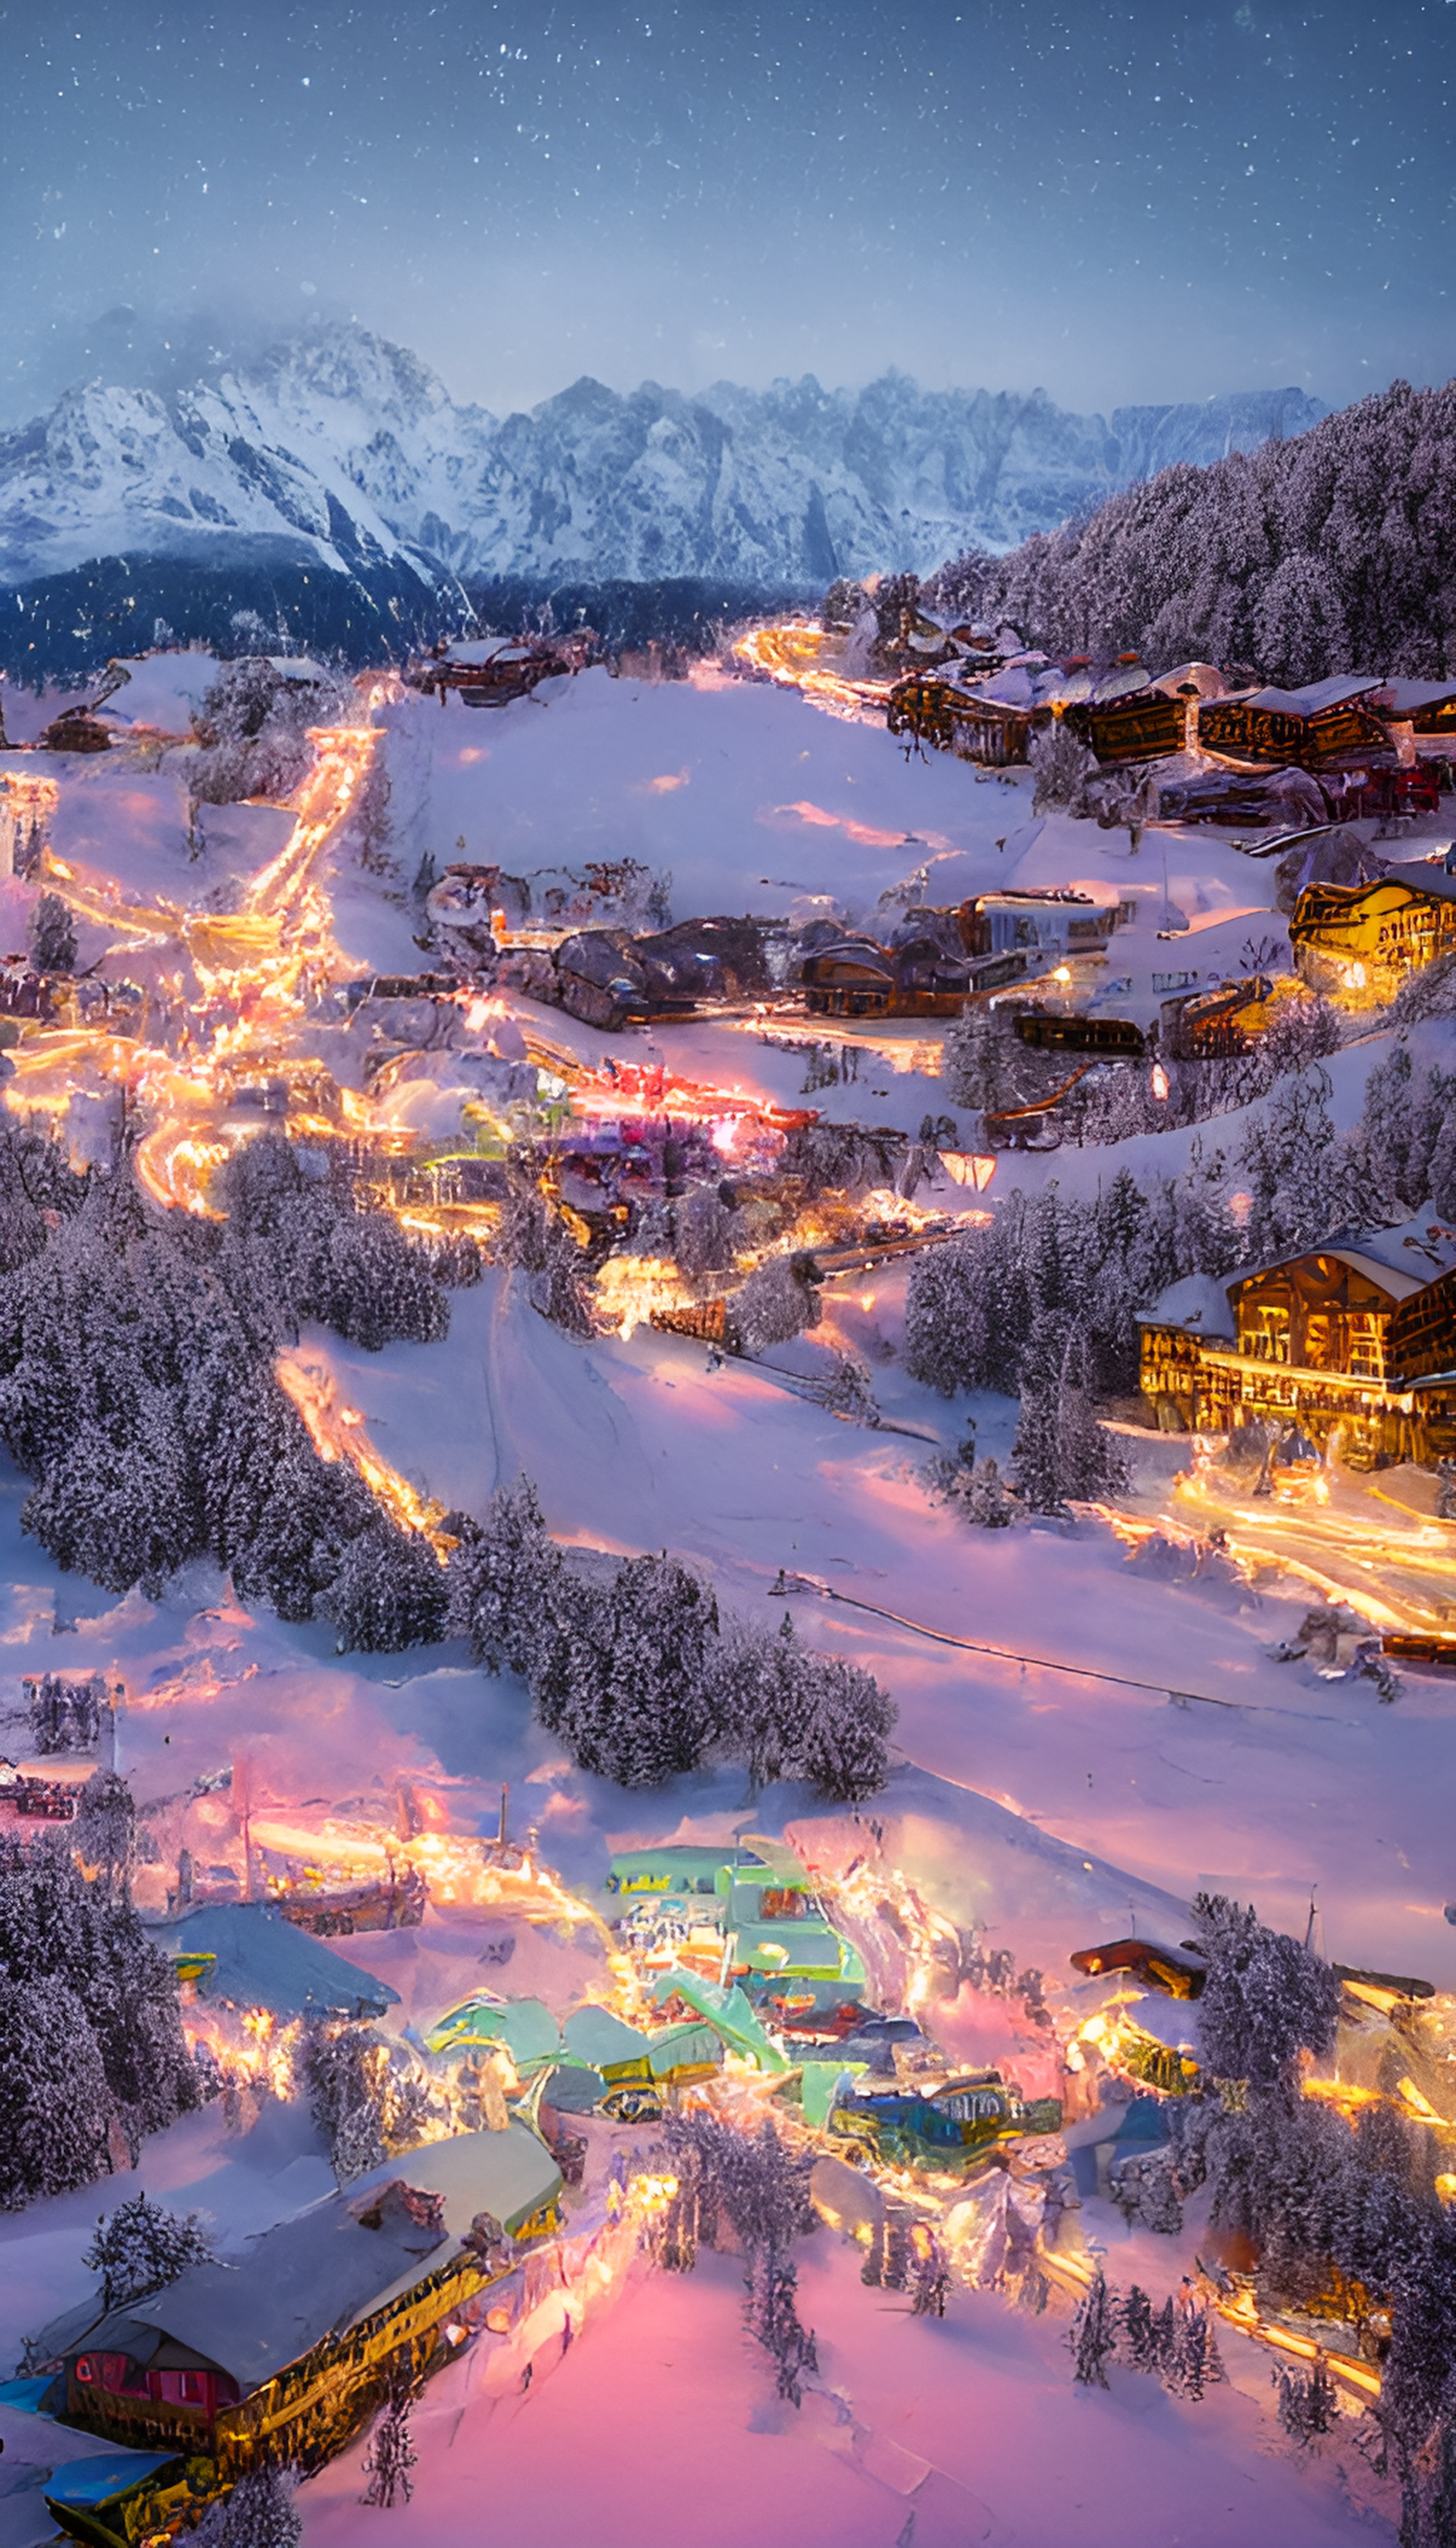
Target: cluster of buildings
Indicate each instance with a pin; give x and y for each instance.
(281, 2355)
(1339, 749)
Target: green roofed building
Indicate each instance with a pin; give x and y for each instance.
(525, 2027)
(757, 1894)
(618, 2050)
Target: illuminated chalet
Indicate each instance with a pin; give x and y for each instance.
(1365, 939)
(1357, 1338)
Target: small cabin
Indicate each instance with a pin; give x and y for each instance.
(1117, 1038)
(1365, 939)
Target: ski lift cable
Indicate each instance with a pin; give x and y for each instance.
(1042, 1662)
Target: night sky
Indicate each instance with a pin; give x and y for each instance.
(1115, 203)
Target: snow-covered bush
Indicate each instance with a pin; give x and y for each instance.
(253, 731)
(259, 2513)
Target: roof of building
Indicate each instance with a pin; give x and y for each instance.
(88, 2484)
(1408, 698)
(323, 2270)
(525, 2027)
(1317, 694)
(264, 1961)
(1400, 1262)
(1198, 1301)
(595, 2034)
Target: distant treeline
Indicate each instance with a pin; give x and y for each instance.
(1334, 552)
(681, 611)
(63, 627)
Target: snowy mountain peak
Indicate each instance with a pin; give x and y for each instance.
(342, 445)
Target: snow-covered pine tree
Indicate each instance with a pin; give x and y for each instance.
(1307, 2402)
(501, 1580)
(1137, 2339)
(131, 1998)
(103, 1831)
(773, 2315)
(389, 1593)
(1089, 1459)
(53, 936)
(1195, 2363)
(1094, 2336)
(759, 1699)
(141, 2247)
(345, 2068)
(846, 1748)
(56, 2108)
(947, 1328)
(1267, 1997)
(1036, 1458)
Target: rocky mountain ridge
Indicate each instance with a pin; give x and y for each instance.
(341, 448)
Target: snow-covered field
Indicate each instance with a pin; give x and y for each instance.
(1051, 1809)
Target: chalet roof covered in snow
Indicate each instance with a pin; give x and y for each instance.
(1408, 698)
(324, 2270)
(264, 1961)
(1198, 1301)
(1309, 701)
(1399, 1261)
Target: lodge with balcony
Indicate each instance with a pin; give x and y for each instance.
(1355, 1341)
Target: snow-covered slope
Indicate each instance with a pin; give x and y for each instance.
(338, 444)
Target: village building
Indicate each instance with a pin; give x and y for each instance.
(1363, 941)
(1151, 723)
(955, 717)
(249, 1956)
(283, 2356)
(1353, 1342)
(1217, 1025)
(1319, 727)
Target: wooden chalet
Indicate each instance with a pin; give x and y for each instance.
(1368, 939)
(1430, 709)
(1357, 1338)
(958, 718)
(860, 979)
(1147, 724)
(1217, 1025)
(283, 2358)
(1326, 726)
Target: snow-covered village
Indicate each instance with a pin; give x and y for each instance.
(727, 1288)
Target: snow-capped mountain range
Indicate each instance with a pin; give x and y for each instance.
(339, 447)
